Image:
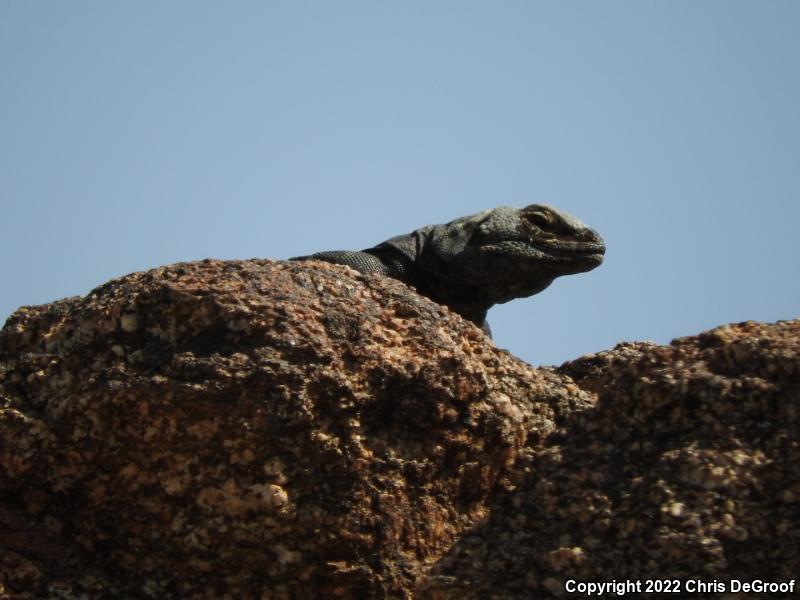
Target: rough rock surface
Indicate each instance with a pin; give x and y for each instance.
(687, 468)
(251, 427)
(258, 429)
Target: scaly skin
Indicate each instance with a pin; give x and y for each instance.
(475, 262)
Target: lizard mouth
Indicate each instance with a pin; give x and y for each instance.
(560, 250)
(563, 258)
(579, 252)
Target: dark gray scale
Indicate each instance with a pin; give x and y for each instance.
(475, 262)
(360, 261)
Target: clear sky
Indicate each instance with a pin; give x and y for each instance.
(137, 134)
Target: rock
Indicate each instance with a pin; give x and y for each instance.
(251, 429)
(687, 469)
(260, 429)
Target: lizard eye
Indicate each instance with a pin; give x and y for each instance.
(540, 220)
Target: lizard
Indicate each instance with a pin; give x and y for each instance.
(474, 262)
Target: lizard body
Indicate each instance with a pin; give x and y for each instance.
(475, 262)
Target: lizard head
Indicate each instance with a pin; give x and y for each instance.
(506, 253)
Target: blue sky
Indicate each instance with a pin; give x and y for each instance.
(136, 134)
